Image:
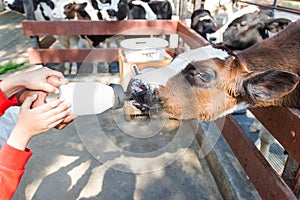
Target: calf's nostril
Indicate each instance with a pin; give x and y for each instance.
(111, 12)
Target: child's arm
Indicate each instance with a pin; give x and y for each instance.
(37, 120)
(34, 80)
(14, 154)
(12, 163)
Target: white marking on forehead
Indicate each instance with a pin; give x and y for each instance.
(204, 53)
(204, 18)
(199, 54)
(215, 53)
(162, 75)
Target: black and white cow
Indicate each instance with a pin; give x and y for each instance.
(162, 9)
(69, 10)
(137, 9)
(202, 22)
(140, 10)
(42, 8)
(17, 5)
(80, 11)
(251, 28)
(75, 10)
(217, 37)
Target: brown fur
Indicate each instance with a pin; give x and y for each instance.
(69, 11)
(73, 10)
(281, 52)
(257, 76)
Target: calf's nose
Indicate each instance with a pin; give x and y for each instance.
(111, 12)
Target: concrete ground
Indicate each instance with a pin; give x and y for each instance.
(98, 157)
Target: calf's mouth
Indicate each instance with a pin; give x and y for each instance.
(145, 97)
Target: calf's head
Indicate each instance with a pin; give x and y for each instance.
(202, 22)
(63, 6)
(162, 9)
(79, 11)
(116, 10)
(16, 5)
(208, 89)
(250, 29)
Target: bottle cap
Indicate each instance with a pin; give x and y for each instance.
(119, 95)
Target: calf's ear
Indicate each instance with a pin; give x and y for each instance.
(276, 25)
(269, 85)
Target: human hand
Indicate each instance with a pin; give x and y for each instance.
(41, 99)
(23, 94)
(34, 121)
(43, 79)
(65, 122)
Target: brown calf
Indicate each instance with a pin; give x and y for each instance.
(264, 75)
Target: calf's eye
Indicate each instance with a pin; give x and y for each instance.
(200, 76)
(205, 77)
(68, 7)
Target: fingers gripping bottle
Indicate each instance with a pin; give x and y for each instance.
(87, 98)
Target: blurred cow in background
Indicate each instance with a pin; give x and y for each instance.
(42, 8)
(138, 9)
(251, 28)
(43, 12)
(203, 23)
(217, 37)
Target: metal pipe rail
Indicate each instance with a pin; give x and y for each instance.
(273, 7)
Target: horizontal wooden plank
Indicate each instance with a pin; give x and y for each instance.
(268, 184)
(284, 124)
(84, 27)
(38, 56)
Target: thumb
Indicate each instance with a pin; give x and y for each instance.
(29, 101)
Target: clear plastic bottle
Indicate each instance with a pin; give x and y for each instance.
(87, 98)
